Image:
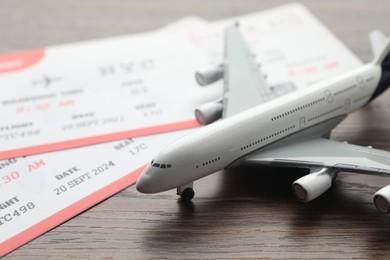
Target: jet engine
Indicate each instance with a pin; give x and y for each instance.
(313, 185)
(208, 77)
(382, 199)
(209, 112)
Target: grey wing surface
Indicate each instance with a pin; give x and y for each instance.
(244, 85)
(320, 152)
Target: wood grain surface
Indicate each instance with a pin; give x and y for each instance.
(247, 213)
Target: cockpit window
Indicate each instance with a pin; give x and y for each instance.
(160, 165)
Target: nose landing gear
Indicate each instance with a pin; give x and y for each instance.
(186, 192)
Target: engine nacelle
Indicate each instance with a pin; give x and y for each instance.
(208, 77)
(313, 185)
(382, 200)
(209, 112)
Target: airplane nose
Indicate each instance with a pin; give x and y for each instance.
(145, 183)
(142, 183)
(155, 179)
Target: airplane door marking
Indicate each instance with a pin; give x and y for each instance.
(302, 122)
(360, 82)
(329, 96)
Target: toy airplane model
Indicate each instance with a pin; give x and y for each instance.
(288, 131)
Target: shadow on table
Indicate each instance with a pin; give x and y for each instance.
(259, 202)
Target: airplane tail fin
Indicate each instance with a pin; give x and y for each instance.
(380, 45)
(381, 48)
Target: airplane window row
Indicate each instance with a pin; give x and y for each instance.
(210, 162)
(298, 108)
(324, 114)
(160, 165)
(345, 89)
(267, 137)
(362, 98)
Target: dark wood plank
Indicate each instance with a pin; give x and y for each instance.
(246, 213)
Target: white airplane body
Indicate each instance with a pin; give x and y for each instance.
(289, 131)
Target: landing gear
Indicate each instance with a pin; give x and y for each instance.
(186, 192)
(327, 135)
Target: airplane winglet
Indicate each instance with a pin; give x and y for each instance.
(380, 45)
(377, 41)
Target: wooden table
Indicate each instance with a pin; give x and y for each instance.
(250, 213)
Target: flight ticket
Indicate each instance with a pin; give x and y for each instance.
(68, 102)
(129, 89)
(41, 191)
(79, 94)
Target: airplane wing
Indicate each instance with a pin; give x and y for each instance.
(244, 85)
(325, 153)
(377, 41)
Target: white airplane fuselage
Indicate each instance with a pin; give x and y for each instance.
(216, 146)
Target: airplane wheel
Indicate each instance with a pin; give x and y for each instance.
(187, 194)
